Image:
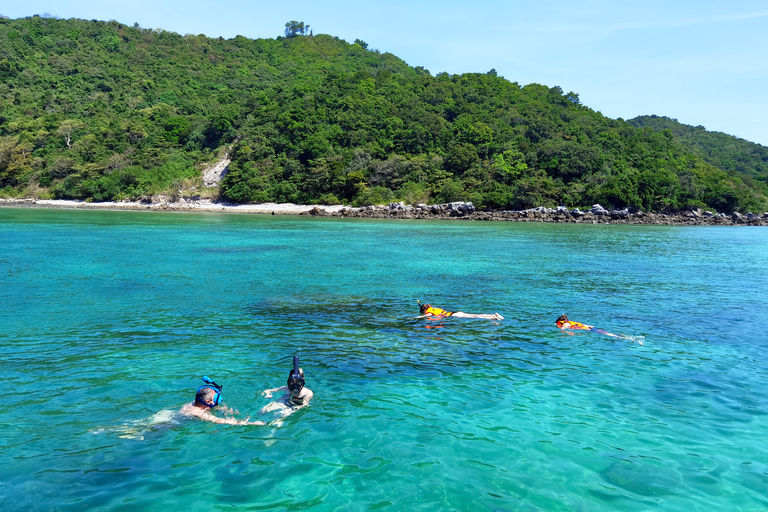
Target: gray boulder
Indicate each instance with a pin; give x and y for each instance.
(460, 208)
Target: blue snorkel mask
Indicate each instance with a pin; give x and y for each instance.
(295, 380)
(209, 384)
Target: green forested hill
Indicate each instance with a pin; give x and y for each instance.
(100, 110)
(719, 149)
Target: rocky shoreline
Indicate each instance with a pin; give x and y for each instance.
(450, 211)
(596, 215)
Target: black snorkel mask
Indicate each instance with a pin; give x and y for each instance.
(295, 380)
(215, 387)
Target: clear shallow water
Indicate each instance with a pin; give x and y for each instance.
(110, 318)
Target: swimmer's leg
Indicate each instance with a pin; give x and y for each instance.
(461, 314)
(272, 406)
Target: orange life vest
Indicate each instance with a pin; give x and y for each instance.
(573, 325)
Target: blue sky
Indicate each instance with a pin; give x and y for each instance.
(703, 63)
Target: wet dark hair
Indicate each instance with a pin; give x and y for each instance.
(423, 308)
(563, 318)
(301, 372)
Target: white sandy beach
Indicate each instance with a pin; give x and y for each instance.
(197, 206)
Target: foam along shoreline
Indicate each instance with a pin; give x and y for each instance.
(450, 211)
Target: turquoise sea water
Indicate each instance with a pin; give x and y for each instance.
(109, 320)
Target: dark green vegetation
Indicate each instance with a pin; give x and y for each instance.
(103, 111)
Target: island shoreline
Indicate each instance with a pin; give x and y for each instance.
(449, 211)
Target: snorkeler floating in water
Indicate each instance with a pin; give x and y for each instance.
(209, 396)
(428, 311)
(296, 395)
(564, 323)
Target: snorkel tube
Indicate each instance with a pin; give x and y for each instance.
(295, 379)
(209, 384)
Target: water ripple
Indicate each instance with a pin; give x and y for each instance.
(109, 338)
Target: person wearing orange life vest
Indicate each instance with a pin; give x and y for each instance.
(428, 311)
(564, 323)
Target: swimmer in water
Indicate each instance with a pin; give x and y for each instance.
(295, 394)
(564, 323)
(207, 398)
(428, 311)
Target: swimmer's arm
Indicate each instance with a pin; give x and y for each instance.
(246, 422)
(232, 421)
(268, 392)
(190, 410)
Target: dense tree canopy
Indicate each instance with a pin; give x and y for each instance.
(103, 111)
(719, 149)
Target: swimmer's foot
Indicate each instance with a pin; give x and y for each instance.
(498, 316)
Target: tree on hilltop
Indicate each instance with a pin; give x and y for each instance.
(295, 28)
